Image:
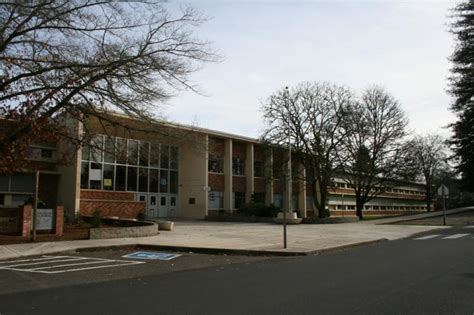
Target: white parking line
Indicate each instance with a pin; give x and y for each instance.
(427, 237)
(455, 236)
(57, 262)
(469, 227)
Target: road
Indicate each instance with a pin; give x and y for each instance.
(431, 273)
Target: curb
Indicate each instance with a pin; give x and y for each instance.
(228, 251)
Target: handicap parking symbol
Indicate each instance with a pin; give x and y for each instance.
(151, 255)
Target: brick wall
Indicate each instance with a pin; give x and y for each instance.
(27, 212)
(239, 183)
(107, 195)
(238, 150)
(277, 187)
(258, 153)
(216, 182)
(309, 189)
(259, 185)
(295, 187)
(109, 208)
(216, 147)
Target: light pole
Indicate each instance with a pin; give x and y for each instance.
(289, 168)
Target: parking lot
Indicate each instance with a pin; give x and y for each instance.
(49, 271)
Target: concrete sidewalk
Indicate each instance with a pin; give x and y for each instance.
(261, 237)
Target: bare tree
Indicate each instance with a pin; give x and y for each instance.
(84, 58)
(370, 154)
(310, 115)
(427, 156)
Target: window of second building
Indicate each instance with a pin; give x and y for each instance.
(238, 166)
(215, 164)
(258, 169)
(238, 199)
(215, 199)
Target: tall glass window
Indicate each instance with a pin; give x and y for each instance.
(163, 181)
(132, 152)
(164, 159)
(131, 178)
(108, 178)
(120, 177)
(144, 152)
(129, 165)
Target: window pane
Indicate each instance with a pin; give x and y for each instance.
(22, 183)
(144, 150)
(258, 169)
(163, 181)
(120, 175)
(97, 149)
(108, 181)
(86, 151)
(215, 164)
(154, 180)
(4, 180)
(131, 178)
(174, 158)
(109, 150)
(164, 159)
(215, 199)
(95, 176)
(132, 152)
(238, 199)
(154, 155)
(237, 166)
(85, 175)
(121, 151)
(173, 182)
(143, 180)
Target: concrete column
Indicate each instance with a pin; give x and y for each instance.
(302, 191)
(69, 186)
(249, 172)
(206, 176)
(269, 177)
(228, 176)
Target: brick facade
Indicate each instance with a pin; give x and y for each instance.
(110, 208)
(277, 187)
(216, 147)
(238, 150)
(216, 182)
(110, 203)
(259, 185)
(107, 195)
(239, 183)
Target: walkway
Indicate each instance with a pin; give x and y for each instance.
(304, 238)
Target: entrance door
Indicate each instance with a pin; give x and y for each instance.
(163, 207)
(173, 205)
(153, 205)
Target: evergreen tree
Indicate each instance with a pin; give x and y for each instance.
(462, 88)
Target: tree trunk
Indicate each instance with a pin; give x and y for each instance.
(323, 212)
(428, 195)
(359, 207)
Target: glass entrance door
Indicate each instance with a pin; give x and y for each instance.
(164, 206)
(173, 206)
(153, 205)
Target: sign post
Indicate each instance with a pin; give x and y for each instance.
(443, 191)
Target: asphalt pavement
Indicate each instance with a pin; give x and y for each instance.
(428, 273)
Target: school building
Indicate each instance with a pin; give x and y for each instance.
(169, 170)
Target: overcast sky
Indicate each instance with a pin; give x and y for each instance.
(401, 45)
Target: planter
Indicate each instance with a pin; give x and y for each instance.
(165, 225)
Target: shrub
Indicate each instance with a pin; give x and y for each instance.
(258, 209)
(96, 218)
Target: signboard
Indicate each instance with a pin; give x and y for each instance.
(151, 255)
(107, 182)
(95, 174)
(443, 191)
(44, 219)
